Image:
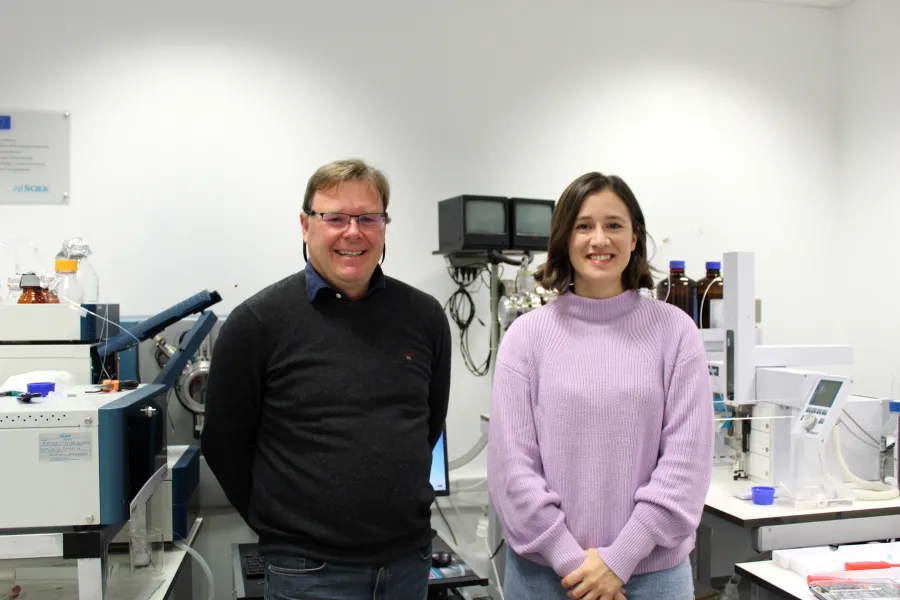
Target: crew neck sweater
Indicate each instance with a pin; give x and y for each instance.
(601, 433)
(322, 413)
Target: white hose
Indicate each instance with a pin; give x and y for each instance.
(709, 287)
(480, 484)
(469, 456)
(869, 490)
(202, 563)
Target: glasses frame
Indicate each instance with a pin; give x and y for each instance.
(384, 215)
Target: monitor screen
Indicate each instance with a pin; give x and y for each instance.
(440, 478)
(533, 219)
(485, 217)
(825, 393)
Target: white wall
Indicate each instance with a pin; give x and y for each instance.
(195, 126)
(869, 211)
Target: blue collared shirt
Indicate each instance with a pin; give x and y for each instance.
(315, 283)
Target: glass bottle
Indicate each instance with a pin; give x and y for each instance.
(710, 292)
(679, 289)
(66, 284)
(32, 292)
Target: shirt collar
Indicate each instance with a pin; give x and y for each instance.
(315, 283)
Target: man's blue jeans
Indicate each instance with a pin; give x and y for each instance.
(295, 578)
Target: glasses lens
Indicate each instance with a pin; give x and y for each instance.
(371, 221)
(336, 219)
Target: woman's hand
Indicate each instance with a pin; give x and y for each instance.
(593, 580)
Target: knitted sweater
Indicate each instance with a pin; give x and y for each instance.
(601, 433)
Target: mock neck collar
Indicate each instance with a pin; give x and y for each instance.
(600, 310)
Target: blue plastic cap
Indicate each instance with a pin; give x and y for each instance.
(763, 495)
(713, 266)
(676, 264)
(894, 406)
(42, 387)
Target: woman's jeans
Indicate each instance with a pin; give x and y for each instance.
(526, 580)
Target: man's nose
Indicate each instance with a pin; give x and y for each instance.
(352, 229)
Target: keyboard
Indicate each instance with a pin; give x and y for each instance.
(254, 566)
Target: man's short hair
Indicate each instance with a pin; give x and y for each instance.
(339, 171)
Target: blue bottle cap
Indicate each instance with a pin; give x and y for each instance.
(676, 264)
(42, 387)
(713, 266)
(894, 406)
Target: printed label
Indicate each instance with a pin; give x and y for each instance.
(58, 447)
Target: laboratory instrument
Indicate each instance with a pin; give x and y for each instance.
(782, 414)
(89, 464)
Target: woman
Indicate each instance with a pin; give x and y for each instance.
(601, 431)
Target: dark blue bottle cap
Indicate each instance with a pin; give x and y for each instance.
(676, 264)
(713, 266)
(894, 406)
(42, 387)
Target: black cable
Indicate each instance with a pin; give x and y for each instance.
(854, 434)
(104, 374)
(861, 428)
(137, 360)
(168, 414)
(499, 547)
(477, 370)
(450, 529)
(461, 308)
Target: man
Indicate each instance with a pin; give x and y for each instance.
(327, 393)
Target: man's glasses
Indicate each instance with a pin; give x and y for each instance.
(367, 221)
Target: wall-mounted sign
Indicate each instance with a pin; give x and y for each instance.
(35, 157)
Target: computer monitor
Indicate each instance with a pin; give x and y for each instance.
(440, 471)
(472, 223)
(529, 226)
